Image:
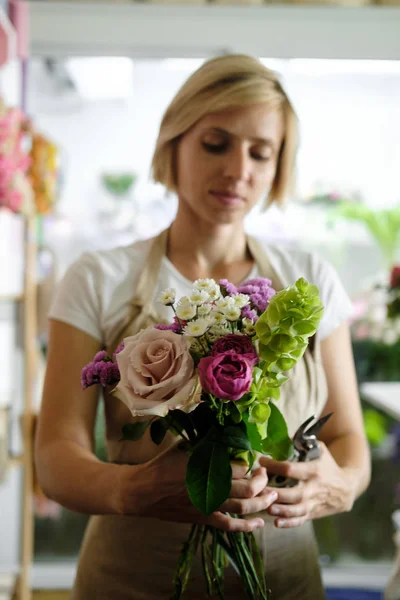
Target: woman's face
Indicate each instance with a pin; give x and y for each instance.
(227, 162)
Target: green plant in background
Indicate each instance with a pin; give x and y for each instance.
(382, 224)
(375, 425)
(118, 184)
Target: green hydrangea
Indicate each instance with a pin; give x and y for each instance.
(282, 331)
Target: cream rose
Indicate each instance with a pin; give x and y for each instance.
(157, 373)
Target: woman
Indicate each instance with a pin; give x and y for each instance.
(227, 140)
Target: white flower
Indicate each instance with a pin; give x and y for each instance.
(167, 296)
(217, 316)
(185, 310)
(184, 300)
(232, 313)
(241, 300)
(225, 303)
(204, 310)
(204, 284)
(214, 292)
(248, 326)
(199, 297)
(198, 327)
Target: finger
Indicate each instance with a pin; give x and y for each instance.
(247, 506)
(293, 495)
(288, 511)
(240, 470)
(249, 488)
(290, 523)
(296, 470)
(231, 524)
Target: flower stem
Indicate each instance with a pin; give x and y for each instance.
(184, 566)
(177, 318)
(217, 560)
(204, 560)
(248, 584)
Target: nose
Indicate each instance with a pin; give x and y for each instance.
(238, 164)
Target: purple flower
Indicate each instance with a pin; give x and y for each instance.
(227, 376)
(118, 350)
(100, 371)
(238, 343)
(228, 286)
(249, 313)
(100, 356)
(175, 327)
(260, 292)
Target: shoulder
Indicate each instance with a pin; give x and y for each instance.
(97, 286)
(292, 262)
(111, 264)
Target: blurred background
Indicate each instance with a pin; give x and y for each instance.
(83, 87)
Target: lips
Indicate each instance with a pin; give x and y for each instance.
(227, 198)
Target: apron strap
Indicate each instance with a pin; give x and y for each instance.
(264, 265)
(142, 301)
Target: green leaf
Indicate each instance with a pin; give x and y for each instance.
(253, 434)
(134, 431)
(209, 476)
(182, 422)
(235, 437)
(277, 444)
(158, 429)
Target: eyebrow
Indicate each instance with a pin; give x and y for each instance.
(265, 141)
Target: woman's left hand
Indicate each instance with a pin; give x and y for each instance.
(324, 489)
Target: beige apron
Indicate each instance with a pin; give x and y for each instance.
(134, 558)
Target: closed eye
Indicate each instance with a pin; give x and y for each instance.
(221, 148)
(215, 148)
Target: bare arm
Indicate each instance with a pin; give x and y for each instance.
(64, 456)
(344, 434)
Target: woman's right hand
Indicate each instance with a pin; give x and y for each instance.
(157, 489)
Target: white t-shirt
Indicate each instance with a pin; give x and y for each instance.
(96, 290)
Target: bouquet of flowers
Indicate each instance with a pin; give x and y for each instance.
(213, 376)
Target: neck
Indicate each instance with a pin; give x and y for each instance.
(200, 249)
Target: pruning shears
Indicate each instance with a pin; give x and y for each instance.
(306, 448)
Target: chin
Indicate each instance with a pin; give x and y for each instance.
(225, 218)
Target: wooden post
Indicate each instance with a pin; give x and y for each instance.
(30, 352)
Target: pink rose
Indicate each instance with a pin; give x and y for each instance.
(241, 344)
(227, 376)
(157, 373)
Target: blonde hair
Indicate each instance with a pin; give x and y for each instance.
(221, 83)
